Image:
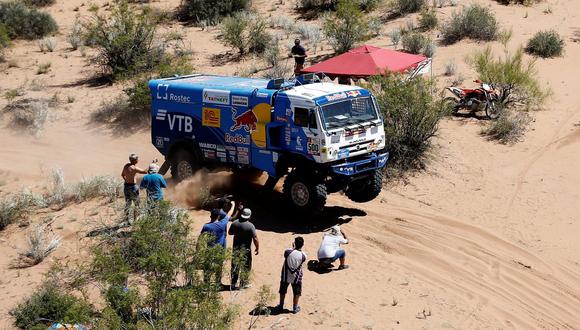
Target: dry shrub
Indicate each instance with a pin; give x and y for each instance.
(509, 127)
(346, 27)
(41, 243)
(28, 114)
(247, 33)
(210, 12)
(93, 187)
(24, 22)
(475, 22)
(17, 207)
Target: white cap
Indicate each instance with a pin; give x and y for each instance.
(335, 230)
(153, 168)
(246, 214)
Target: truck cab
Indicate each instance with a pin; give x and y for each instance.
(320, 136)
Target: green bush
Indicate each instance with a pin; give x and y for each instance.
(428, 19)
(246, 33)
(516, 79)
(546, 44)
(411, 116)
(518, 2)
(409, 6)
(4, 40)
(126, 41)
(323, 5)
(159, 250)
(48, 305)
(39, 3)
(210, 12)
(415, 43)
(346, 27)
(24, 22)
(475, 22)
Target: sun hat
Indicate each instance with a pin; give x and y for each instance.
(246, 214)
(335, 230)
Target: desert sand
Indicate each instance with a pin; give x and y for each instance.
(485, 237)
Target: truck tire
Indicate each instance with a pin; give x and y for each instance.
(366, 190)
(305, 195)
(183, 165)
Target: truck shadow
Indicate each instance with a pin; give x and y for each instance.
(270, 212)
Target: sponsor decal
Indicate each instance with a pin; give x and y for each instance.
(161, 114)
(180, 123)
(246, 121)
(162, 91)
(210, 117)
(299, 141)
(261, 94)
(353, 93)
(336, 96)
(216, 96)
(343, 153)
(241, 101)
(179, 98)
(159, 141)
(237, 139)
(207, 145)
(210, 154)
(282, 119)
(313, 147)
(265, 152)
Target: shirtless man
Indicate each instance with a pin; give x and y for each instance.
(131, 189)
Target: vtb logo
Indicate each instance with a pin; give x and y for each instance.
(176, 122)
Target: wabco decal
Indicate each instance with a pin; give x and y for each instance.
(210, 117)
(246, 120)
(216, 96)
(237, 139)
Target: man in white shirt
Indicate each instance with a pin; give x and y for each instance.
(330, 250)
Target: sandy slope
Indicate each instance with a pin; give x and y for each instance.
(485, 238)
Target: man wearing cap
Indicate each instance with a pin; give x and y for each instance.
(299, 54)
(153, 182)
(218, 224)
(130, 188)
(330, 250)
(244, 233)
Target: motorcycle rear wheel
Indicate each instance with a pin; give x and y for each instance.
(492, 109)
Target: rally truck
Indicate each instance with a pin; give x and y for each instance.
(322, 137)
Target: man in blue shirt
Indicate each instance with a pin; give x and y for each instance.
(218, 225)
(153, 182)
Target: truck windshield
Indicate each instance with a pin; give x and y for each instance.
(348, 112)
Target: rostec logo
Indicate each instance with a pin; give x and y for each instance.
(246, 120)
(161, 113)
(162, 91)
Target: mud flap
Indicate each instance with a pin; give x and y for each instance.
(164, 167)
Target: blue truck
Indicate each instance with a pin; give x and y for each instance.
(322, 137)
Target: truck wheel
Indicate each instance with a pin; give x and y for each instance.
(183, 165)
(366, 190)
(304, 194)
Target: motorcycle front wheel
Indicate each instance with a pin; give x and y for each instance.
(492, 109)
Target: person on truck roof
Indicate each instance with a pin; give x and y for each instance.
(130, 188)
(299, 54)
(153, 182)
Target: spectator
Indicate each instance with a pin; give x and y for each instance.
(292, 274)
(218, 224)
(330, 250)
(244, 233)
(153, 182)
(299, 54)
(130, 188)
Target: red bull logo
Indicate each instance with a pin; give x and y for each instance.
(246, 120)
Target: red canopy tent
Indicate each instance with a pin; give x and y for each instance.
(366, 61)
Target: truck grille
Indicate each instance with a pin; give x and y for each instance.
(366, 166)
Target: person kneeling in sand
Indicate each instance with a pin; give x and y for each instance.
(330, 250)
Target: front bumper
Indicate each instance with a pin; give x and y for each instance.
(370, 162)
